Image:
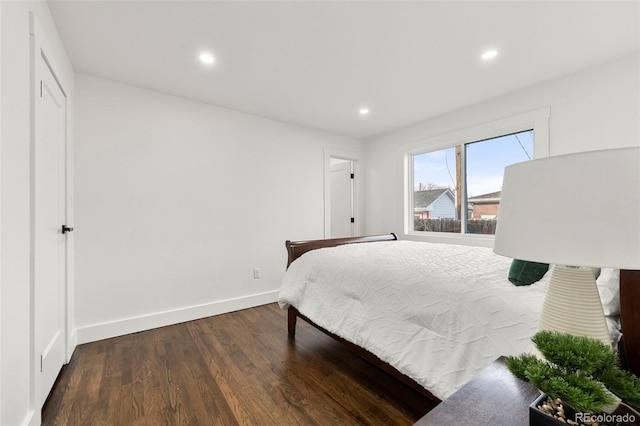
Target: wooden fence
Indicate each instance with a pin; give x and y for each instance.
(474, 226)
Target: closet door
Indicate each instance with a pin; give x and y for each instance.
(49, 210)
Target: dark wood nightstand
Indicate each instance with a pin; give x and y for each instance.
(494, 397)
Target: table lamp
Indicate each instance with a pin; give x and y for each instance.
(573, 211)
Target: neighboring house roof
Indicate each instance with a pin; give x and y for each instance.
(490, 198)
(422, 200)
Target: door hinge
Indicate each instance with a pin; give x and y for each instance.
(353, 175)
(353, 220)
(40, 88)
(41, 363)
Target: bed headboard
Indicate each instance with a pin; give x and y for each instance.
(295, 249)
(630, 318)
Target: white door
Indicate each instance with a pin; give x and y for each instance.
(341, 191)
(49, 210)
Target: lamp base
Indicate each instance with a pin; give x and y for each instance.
(572, 304)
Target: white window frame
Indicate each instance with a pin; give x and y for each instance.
(537, 120)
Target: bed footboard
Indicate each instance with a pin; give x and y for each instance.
(295, 249)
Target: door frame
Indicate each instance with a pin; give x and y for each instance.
(358, 187)
(40, 46)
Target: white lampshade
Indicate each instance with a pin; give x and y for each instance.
(578, 210)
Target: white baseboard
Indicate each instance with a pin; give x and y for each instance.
(72, 342)
(121, 327)
(32, 418)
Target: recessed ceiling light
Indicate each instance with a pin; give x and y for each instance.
(364, 111)
(489, 54)
(207, 58)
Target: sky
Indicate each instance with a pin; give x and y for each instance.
(486, 161)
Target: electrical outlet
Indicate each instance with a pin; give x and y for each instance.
(256, 273)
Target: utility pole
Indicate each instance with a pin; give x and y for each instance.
(459, 182)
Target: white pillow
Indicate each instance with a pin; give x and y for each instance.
(609, 288)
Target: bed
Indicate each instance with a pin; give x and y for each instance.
(436, 326)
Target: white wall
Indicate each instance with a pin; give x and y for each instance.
(18, 402)
(595, 109)
(1, 318)
(178, 201)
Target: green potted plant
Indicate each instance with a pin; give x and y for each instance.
(580, 379)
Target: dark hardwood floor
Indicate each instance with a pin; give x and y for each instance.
(237, 368)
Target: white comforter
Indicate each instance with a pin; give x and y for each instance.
(439, 313)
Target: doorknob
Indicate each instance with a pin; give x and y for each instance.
(66, 229)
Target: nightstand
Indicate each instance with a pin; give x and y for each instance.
(493, 397)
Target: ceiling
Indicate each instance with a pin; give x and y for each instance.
(316, 63)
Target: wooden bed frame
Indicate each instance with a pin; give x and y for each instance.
(629, 311)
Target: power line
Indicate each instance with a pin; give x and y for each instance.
(522, 146)
(453, 181)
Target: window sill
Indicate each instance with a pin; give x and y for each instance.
(449, 238)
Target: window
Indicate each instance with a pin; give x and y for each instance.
(457, 189)
(462, 170)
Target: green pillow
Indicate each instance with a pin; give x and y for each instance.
(523, 272)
